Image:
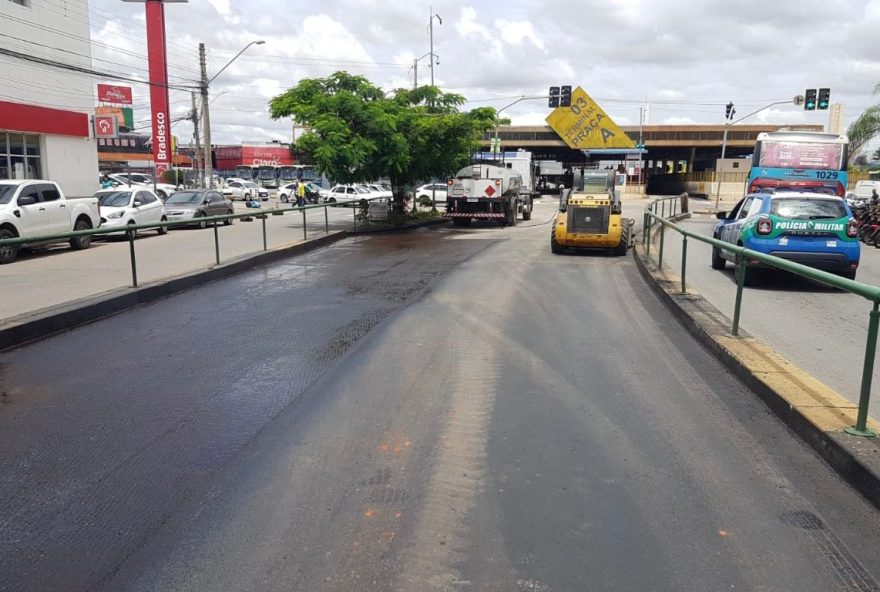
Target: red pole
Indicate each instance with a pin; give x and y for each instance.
(158, 67)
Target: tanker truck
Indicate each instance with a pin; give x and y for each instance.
(486, 192)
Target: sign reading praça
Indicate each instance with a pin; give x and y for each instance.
(586, 126)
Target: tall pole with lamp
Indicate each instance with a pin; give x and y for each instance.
(204, 84)
(431, 35)
(797, 101)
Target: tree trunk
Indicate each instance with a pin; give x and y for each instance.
(399, 194)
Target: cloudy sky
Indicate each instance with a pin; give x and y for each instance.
(684, 59)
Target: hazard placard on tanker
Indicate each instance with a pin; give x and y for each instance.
(585, 125)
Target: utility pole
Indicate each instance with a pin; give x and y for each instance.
(641, 146)
(415, 73)
(197, 160)
(729, 121)
(431, 35)
(209, 158)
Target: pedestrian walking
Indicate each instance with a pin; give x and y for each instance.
(107, 182)
(301, 194)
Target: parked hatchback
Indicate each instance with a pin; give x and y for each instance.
(196, 205)
(131, 206)
(809, 228)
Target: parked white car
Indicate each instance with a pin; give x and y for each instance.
(163, 190)
(244, 190)
(380, 190)
(346, 194)
(36, 208)
(131, 206)
(432, 189)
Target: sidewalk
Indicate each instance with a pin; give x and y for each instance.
(56, 275)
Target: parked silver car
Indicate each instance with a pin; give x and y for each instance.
(196, 205)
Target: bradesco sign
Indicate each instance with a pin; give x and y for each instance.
(585, 125)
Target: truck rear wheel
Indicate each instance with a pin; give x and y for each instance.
(510, 216)
(527, 212)
(79, 243)
(8, 253)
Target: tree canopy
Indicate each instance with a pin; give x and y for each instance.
(356, 133)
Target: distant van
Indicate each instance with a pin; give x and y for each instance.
(864, 188)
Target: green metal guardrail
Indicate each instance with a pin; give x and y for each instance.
(131, 230)
(669, 207)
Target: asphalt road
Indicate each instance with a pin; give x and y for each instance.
(820, 329)
(55, 275)
(451, 409)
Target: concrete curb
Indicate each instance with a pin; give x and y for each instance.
(811, 409)
(433, 222)
(26, 328)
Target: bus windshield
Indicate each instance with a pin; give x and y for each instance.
(266, 172)
(799, 155)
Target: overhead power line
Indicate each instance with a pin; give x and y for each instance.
(84, 70)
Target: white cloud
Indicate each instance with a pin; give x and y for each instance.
(678, 121)
(513, 32)
(691, 62)
(666, 93)
(221, 6)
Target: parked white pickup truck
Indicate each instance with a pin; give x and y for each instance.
(34, 208)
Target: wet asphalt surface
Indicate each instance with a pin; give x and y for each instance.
(450, 409)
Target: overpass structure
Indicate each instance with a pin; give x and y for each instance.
(670, 148)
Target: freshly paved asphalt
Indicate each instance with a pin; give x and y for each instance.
(451, 409)
(818, 328)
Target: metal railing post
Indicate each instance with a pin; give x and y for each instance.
(740, 281)
(861, 428)
(684, 258)
(355, 216)
(648, 242)
(660, 251)
(216, 243)
(265, 242)
(305, 232)
(326, 222)
(134, 273)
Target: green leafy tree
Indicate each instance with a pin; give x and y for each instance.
(357, 133)
(864, 127)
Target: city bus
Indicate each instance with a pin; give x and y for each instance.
(800, 161)
(297, 172)
(267, 176)
(246, 171)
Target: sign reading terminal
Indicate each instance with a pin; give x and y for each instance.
(584, 125)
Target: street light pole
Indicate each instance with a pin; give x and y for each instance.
(431, 35)
(204, 84)
(641, 147)
(724, 140)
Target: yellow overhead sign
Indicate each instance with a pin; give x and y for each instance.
(586, 126)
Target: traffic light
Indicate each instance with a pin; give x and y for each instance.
(554, 97)
(729, 111)
(565, 97)
(810, 99)
(824, 98)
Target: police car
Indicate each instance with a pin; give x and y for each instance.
(813, 229)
